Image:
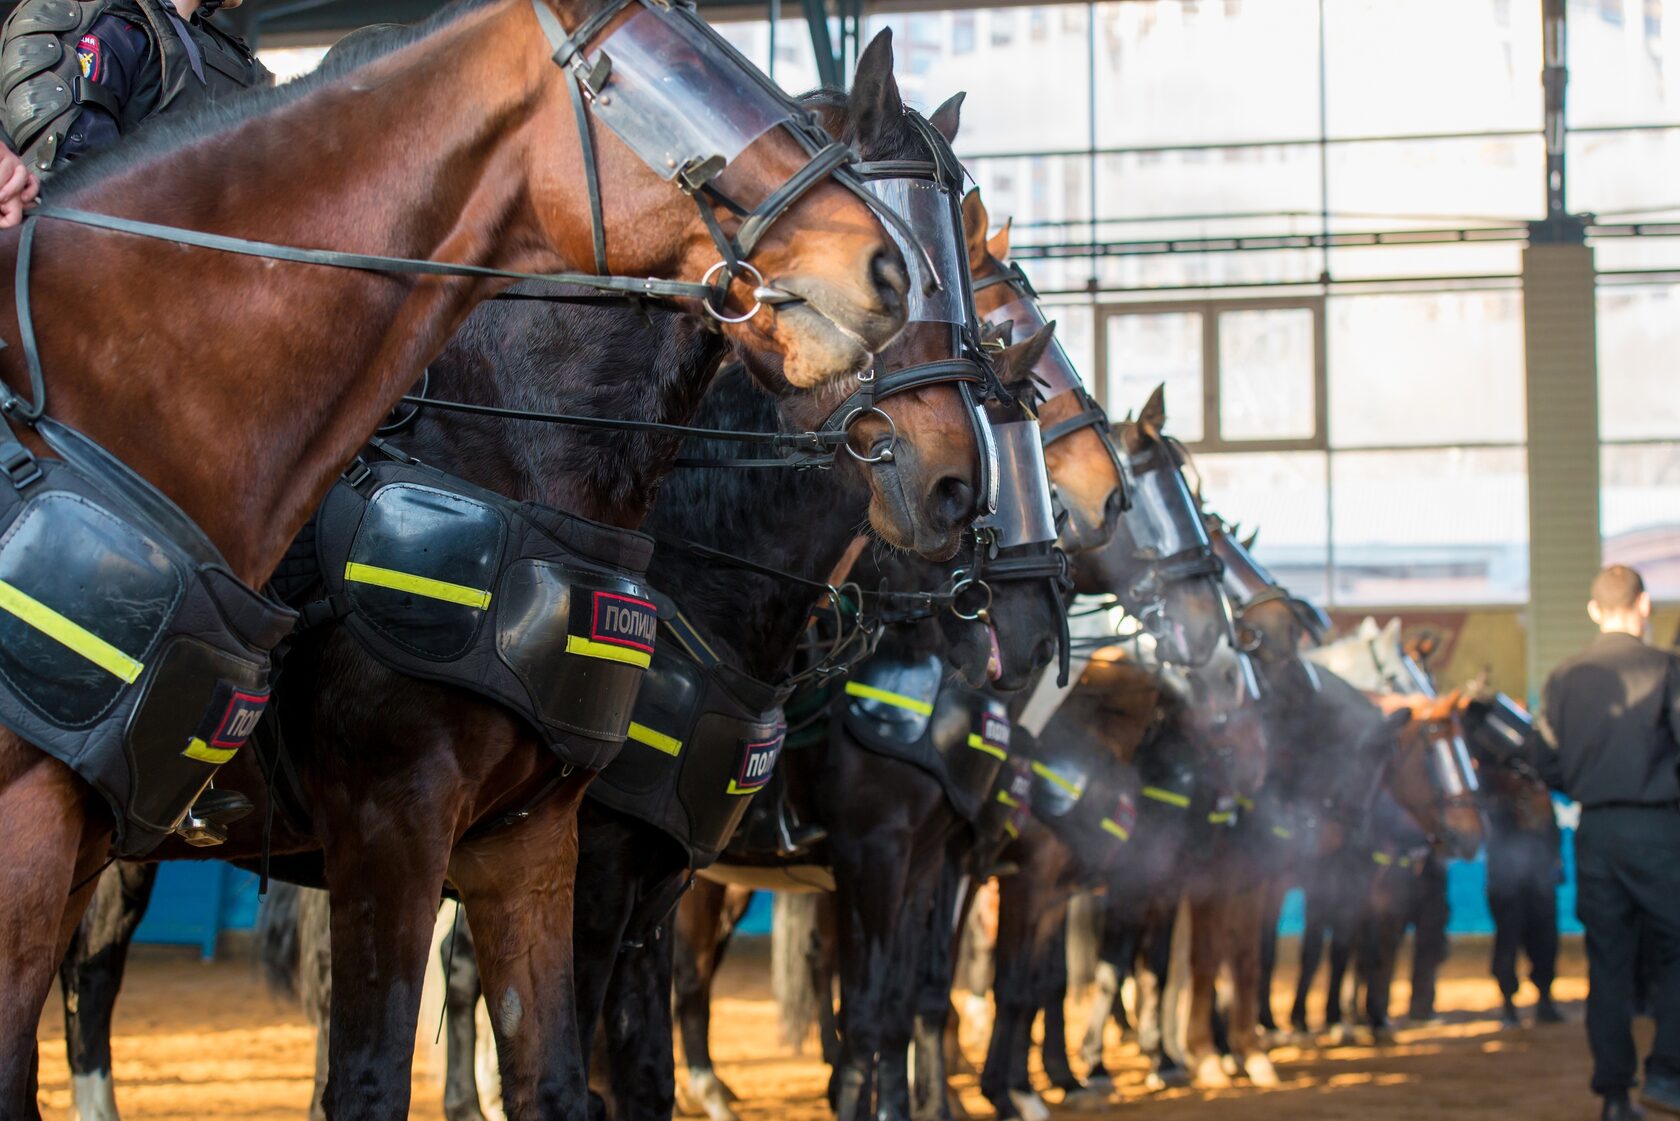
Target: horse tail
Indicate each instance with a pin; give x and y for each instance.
(277, 938)
(794, 946)
(315, 954)
(1084, 940)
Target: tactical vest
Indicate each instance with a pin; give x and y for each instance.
(43, 90)
(128, 650)
(531, 607)
(906, 709)
(705, 738)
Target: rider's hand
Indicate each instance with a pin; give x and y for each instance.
(18, 188)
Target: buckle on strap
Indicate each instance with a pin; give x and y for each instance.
(19, 464)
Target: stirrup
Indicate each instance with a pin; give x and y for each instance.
(205, 825)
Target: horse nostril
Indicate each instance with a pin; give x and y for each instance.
(1044, 653)
(886, 273)
(951, 503)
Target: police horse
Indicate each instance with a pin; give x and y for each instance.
(450, 200)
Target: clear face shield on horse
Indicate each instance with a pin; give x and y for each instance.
(1055, 374)
(1177, 596)
(1019, 541)
(652, 81)
(1249, 583)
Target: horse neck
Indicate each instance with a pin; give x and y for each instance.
(423, 153)
(625, 363)
(796, 521)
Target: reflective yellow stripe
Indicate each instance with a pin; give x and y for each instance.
(1055, 779)
(419, 585)
(1009, 827)
(204, 753)
(1245, 803)
(1170, 797)
(979, 744)
(70, 634)
(1381, 858)
(607, 651)
(659, 741)
(1007, 799)
(1111, 826)
(897, 700)
(1280, 831)
(1222, 818)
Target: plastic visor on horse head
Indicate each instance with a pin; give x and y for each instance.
(1024, 508)
(1499, 728)
(1054, 372)
(1164, 522)
(1245, 577)
(1449, 762)
(925, 197)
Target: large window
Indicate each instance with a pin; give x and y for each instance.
(1318, 255)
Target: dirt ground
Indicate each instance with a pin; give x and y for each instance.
(207, 1041)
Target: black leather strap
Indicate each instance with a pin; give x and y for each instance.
(591, 178)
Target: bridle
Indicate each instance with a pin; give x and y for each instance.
(590, 85)
(1194, 560)
(1091, 414)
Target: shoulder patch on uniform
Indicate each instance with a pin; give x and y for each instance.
(90, 55)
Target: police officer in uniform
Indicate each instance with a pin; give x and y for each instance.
(77, 77)
(1609, 723)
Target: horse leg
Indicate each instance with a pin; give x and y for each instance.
(1012, 1023)
(1312, 953)
(697, 947)
(54, 839)
(1242, 1027)
(89, 979)
(938, 960)
(1053, 999)
(314, 984)
(1271, 908)
(1114, 961)
(461, 990)
(1341, 951)
(1199, 1050)
(871, 900)
(517, 884)
(637, 1023)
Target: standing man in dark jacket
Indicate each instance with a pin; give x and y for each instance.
(1609, 718)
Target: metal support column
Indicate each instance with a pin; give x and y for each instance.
(1560, 337)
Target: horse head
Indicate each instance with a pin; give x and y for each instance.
(1431, 774)
(1078, 447)
(1159, 560)
(1273, 625)
(915, 426)
(700, 168)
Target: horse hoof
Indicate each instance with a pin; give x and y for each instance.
(707, 1092)
(1260, 1070)
(1338, 1036)
(1029, 1106)
(1229, 1064)
(1210, 1073)
(1091, 1097)
(1382, 1037)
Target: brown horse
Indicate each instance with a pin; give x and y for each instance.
(440, 148)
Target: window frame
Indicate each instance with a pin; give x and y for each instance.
(1213, 437)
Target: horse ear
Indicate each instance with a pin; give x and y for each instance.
(1248, 542)
(975, 223)
(948, 117)
(1154, 414)
(1015, 365)
(874, 101)
(1391, 632)
(1368, 628)
(998, 246)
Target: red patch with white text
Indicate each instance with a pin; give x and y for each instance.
(90, 55)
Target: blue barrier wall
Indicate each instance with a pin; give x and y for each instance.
(195, 903)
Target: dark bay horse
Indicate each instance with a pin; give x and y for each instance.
(474, 180)
(1155, 758)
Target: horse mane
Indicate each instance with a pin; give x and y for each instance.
(170, 132)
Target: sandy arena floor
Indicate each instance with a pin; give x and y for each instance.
(201, 1041)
